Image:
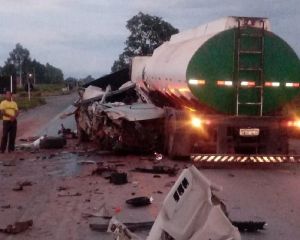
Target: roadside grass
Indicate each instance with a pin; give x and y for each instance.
(37, 95)
(25, 103)
(49, 89)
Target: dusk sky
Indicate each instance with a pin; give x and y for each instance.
(84, 37)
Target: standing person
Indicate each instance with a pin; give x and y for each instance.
(10, 111)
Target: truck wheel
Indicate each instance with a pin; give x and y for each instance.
(178, 142)
(82, 135)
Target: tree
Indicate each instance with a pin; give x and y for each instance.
(18, 55)
(87, 79)
(19, 58)
(9, 69)
(146, 33)
(53, 74)
(39, 71)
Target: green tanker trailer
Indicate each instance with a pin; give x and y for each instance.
(223, 85)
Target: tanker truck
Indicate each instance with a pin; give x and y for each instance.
(225, 87)
(222, 92)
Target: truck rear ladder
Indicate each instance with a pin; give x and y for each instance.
(241, 35)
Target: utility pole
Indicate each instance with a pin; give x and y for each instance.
(34, 80)
(29, 85)
(11, 84)
(20, 62)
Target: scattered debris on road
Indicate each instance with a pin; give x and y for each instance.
(67, 133)
(19, 186)
(86, 162)
(120, 231)
(137, 226)
(17, 227)
(32, 145)
(103, 212)
(29, 139)
(8, 164)
(52, 142)
(249, 226)
(62, 188)
(118, 178)
(104, 171)
(6, 206)
(139, 201)
(171, 171)
(158, 156)
(77, 194)
(25, 183)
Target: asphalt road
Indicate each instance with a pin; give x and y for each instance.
(268, 194)
(41, 120)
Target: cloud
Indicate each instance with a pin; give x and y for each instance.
(85, 37)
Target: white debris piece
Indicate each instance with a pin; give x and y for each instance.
(188, 212)
(33, 145)
(128, 84)
(120, 231)
(92, 92)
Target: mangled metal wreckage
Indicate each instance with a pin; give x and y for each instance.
(123, 119)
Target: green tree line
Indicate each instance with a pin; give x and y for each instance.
(19, 60)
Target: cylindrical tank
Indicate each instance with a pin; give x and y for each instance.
(201, 64)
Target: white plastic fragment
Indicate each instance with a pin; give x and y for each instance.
(188, 212)
(120, 231)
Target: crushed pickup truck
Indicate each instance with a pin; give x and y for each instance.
(123, 119)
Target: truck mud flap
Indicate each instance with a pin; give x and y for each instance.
(219, 159)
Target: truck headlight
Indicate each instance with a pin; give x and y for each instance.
(196, 122)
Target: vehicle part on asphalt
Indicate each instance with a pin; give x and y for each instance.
(52, 142)
(139, 201)
(77, 194)
(17, 227)
(132, 226)
(189, 213)
(249, 226)
(172, 171)
(103, 212)
(118, 178)
(120, 231)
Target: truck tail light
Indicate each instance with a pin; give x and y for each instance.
(272, 84)
(196, 82)
(224, 83)
(292, 85)
(247, 84)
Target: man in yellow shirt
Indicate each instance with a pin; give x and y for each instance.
(9, 111)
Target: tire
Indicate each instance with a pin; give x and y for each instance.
(52, 143)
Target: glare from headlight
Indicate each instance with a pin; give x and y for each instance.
(196, 122)
(297, 124)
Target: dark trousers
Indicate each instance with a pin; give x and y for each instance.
(9, 133)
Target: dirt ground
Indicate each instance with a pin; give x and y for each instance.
(268, 194)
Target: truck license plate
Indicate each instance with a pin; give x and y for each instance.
(249, 132)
